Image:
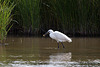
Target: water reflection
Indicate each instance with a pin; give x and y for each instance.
(43, 52)
(60, 57)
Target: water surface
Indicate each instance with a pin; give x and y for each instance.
(43, 52)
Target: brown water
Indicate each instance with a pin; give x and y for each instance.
(43, 52)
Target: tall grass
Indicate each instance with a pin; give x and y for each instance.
(5, 17)
(69, 16)
(65, 11)
(76, 16)
(29, 11)
(88, 16)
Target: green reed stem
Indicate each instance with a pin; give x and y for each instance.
(5, 17)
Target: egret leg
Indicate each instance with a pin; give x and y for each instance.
(58, 45)
(62, 45)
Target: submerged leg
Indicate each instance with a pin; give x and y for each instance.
(58, 44)
(62, 45)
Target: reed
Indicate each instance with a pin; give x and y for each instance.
(5, 18)
(69, 16)
(88, 16)
(29, 11)
(76, 16)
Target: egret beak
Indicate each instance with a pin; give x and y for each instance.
(45, 34)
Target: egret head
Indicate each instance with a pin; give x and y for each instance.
(48, 32)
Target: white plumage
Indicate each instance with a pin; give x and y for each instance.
(58, 36)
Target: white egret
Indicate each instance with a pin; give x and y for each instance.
(58, 36)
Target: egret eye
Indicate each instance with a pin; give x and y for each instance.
(49, 31)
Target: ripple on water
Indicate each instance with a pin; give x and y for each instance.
(50, 63)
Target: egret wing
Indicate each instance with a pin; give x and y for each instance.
(60, 36)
